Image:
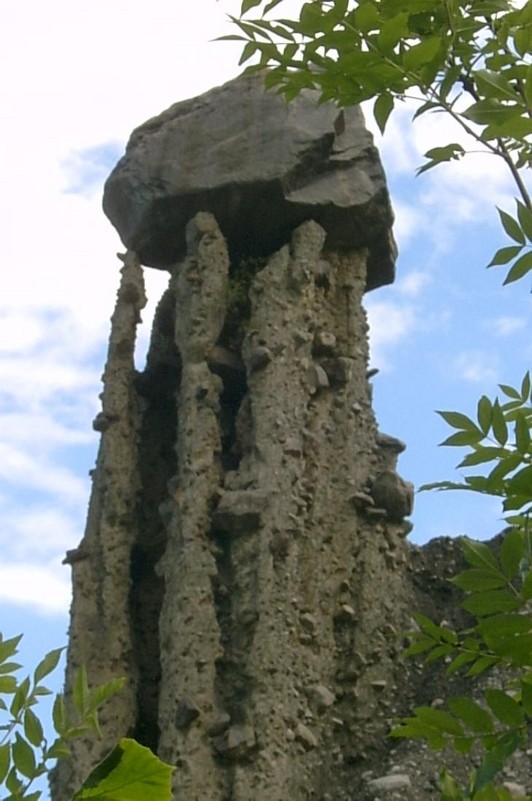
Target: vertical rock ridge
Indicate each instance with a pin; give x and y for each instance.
(190, 637)
(100, 630)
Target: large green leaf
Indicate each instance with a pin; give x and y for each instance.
(130, 772)
(505, 708)
(474, 716)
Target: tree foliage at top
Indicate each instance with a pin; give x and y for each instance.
(467, 58)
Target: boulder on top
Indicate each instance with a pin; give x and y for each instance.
(262, 167)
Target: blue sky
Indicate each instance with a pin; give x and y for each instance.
(445, 333)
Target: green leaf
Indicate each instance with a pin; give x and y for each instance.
(438, 155)
(482, 455)
(419, 646)
(522, 433)
(491, 112)
(511, 552)
(8, 685)
(59, 750)
(8, 648)
(59, 715)
(520, 483)
(496, 759)
(504, 255)
(80, 692)
(23, 757)
(494, 84)
(9, 667)
(33, 728)
(439, 719)
(526, 590)
(484, 413)
(510, 392)
(476, 579)
(475, 718)
(47, 665)
(13, 784)
(104, 692)
(526, 697)
(499, 427)
(458, 420)
(130, 772)
(525, 388)
(524, 214)
(512, 227)
(382, 109)
(5, 761)
(247, 4)
(505, 708)
(490, 602)
(461, 661)
(462, 438)
(478, 555)
(422, 53)
(481, 665)
(20, 698)
(450, 789)
(520, 268)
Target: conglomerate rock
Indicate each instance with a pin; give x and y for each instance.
(262, 167)
(244, 565)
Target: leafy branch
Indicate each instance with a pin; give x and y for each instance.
(449, 52)
(128, 773)
(500, 435)
(499, 590)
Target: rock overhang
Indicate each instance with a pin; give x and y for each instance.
(261, 167)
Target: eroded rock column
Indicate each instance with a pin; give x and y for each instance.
(100, 629)
(189, 631)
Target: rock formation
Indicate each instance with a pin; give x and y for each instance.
(243, 565)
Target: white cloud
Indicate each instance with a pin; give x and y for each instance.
(413, 283)
(476, 366)
(41, 588)
(390, 324)
(506, 326)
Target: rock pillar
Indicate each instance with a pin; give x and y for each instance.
(248, 508)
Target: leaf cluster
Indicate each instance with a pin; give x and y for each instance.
(469, 59)
(500, 435)
(498, 592)
(357, 50)
(25, 753)
(520, 230)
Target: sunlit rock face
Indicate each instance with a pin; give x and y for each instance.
(244, 565)
(261, 167)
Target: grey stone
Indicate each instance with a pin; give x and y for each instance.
(187, 712)
(321, 698)
(240, 511)
(238, 743)
(305, 736)
(262, 167)
(390, 783)
(391, 493)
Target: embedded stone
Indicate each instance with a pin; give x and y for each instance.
(391, 493)
(238, 743)
(304, 735)
(187, 712)
(391, 783)
(240, 511)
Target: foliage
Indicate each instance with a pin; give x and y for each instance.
(499, 590)
(131, 772)
(26, 755)
(467, 58)
(500, 435)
